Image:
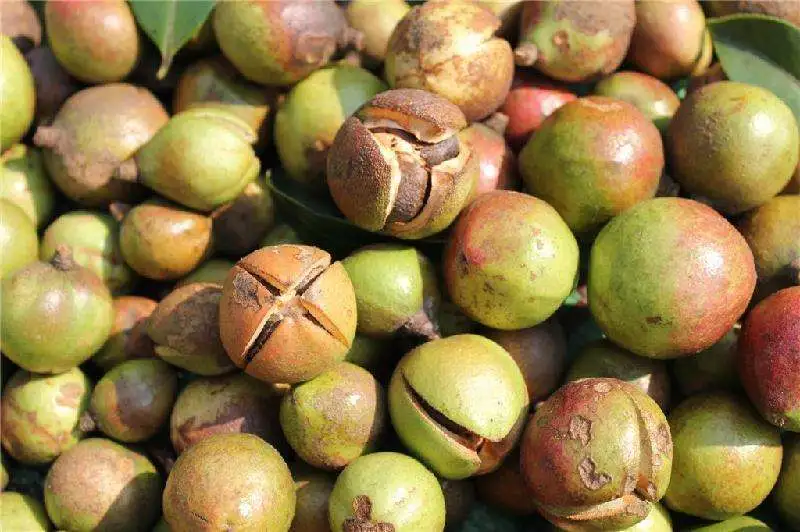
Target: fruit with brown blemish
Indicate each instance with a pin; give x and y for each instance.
(604, 359)
(398, 167)
(128, 338)
(593, 159)
(163, 241)
(654, 98)
(184, 329)
(769, 355)
(734, 144)
(498, 164)
(241, 224)
(694, 277)
(89, 146)
(313, 488)
(461, 418)
(235, 403)
(514, 278)
(710, 369)
(596, 454)
(102, 485)
(309, 117)
(18, 241)
(280, 43)
(334, 418)
(41, 413)
(726, 459)
(18, 93)
(386, 492)
(459, 498)
(396, 291)
(789, 11)
(24, 182)
(257, 492)
(19, 22)
(540, 352)
(786, 494)
(505, 488)
(532, 98)
(451, 50)
(22, 512)
(575, 41)
(376, 21)
(287, 314)
(53, 84)
(670, 39)
(93, 238)
(133, 400)
(90, 55)
(54, 315)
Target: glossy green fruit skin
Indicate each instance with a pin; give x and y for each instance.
(307, 121)
(726, 458)
(657, 520)
(398, 489)
(742, 523)
(669, 277)
(787, 492)
(18, 240)
(201, 159)
(24, 182)
(93, 238)
(735, 144)
(41, 414)
(393, 283)
(23, 513)
(654, 98)
(17, 93)
(510, 279)
(53, 320)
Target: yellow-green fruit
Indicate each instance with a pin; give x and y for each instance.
(18, 241)
(787, 491)
(735, 144)
(377, 21)
(657, 520)
(24, 182)
(741, 523)
(22, 513)
(655, 99)
(307, 121)
(17, 94)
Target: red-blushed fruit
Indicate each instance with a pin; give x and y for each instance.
(669, 277)
(654, 98)
(592, 159)
(498, 165)
(769, 358)
(531, 99)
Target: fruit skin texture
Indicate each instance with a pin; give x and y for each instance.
(377, 21)
(532, 98)
(787, 492)
(450, 50)
(54, 316)
(24, 182)
(514, 278)
(101, 485)
(97, 42)
(325, 429)
(733, 143)
(230, 480)
(18, 241)
(128, 338)
(94, 133)
(596, 453)
(460, 419)
(133, 400)
(576, 41)
(670, 39)
(17, 93)
(773, 233)
(692, 275)
(240, 225)
(40, 414)
(395, 288)
(93, 238)
(655, 99)
(313, 488)
(593, 159)
(22, 512)
(726, 458)
(308, 119)
(769, 355)
(280, 43)
(498, 165)
(388, 488)
(228, 404)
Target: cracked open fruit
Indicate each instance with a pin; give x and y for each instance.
(597, 453)
(450, 49)
(287, 314)
(398, 167)
(230, 481)
(460, 418)
(386, 492)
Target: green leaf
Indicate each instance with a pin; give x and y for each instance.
(170, 24)
(760, 50)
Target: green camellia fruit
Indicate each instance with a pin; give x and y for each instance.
(17, 94)
(655, 99)
(787, 491)
(19, 512)
(18, 241)
(24, 182)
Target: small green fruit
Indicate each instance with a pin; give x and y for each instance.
(17, 93)
(23, 513)
(655, 99)
(18, 241)
(657, 520)
(787, 492)
(240, 225)
(24, 182)
(128, 338)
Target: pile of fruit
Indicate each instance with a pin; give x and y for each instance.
(317, 266)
